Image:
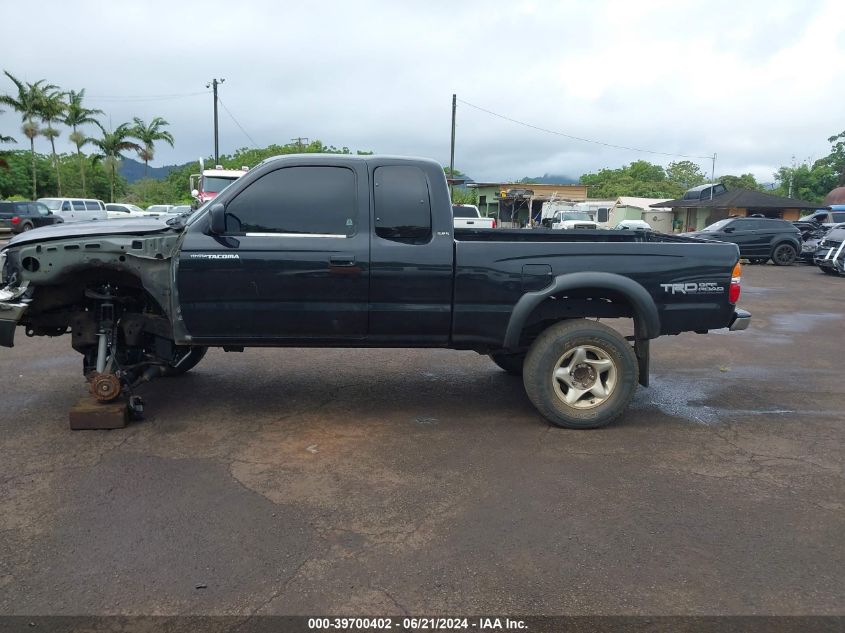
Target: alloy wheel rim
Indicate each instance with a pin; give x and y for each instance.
(585, 377)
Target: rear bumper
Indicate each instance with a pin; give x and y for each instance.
(740, 321)
(12, 308)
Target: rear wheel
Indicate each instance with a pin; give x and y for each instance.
(27, 227)
(580, 374)
(511, 363)
(186, 362)
(784, 254)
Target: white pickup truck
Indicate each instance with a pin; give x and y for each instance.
(573, 220)
(467, 216)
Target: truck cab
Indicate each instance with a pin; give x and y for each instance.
(209, 182)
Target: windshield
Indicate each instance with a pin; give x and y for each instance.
(574, 215)
(52, 204)
(216, 184)
(717, 226)
(159, 208)
(464, 212)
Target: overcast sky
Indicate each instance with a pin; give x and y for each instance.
(755, 82)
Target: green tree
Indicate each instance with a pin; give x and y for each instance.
(641, 178)
(805, 181)
(27, 103)
(77, 115)
(148, 135)
(51, 109)
(16, 176)
(745, 181)
(111, 146)
(686, 174)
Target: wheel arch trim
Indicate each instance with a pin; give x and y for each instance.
(646, 317)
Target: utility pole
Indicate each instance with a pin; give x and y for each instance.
(452, 151)
(299, 140)
(791, 176)
(213, 84)
(712, 175)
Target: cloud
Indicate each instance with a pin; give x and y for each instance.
(757, 82)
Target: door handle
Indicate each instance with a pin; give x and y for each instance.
(342, 260)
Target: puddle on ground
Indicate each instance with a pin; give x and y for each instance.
(781, 327)
(801, 322)
(682, 397)
(759, 290)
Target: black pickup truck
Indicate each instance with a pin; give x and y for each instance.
(346, 251)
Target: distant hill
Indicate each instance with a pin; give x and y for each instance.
(551, 179)
(133, 170)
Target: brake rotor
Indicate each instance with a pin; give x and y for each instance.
(105, 387)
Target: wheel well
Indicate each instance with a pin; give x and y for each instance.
(71, 291)
(781, 243)
(575, 304)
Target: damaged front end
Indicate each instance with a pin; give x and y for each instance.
(14, 301)
(112, 293)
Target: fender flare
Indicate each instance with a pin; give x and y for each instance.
(646, 317)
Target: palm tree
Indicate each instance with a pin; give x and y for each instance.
(27, 103)
(148, 135)
(111, 146)
(52, 108)
(77, 115)
(5, 139)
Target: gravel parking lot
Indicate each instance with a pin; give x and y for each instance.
(422, 481)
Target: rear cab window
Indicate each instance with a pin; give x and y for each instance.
(402, 204)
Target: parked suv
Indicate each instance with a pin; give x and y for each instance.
(77, 209)
(759, 239)
(23, 216)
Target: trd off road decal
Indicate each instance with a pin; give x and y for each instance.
(692, 288)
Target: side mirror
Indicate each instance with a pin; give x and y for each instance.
(217, 216)
(194, 193)
(728, 229)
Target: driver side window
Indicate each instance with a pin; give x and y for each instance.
(319, 201)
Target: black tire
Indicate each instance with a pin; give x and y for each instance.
(828, 271)
(511, 363)
(27, 226)
(569, 339)
(784, 255)
(195, 355)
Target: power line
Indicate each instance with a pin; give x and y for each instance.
(132, 98)
(579, 138)
(240, 127)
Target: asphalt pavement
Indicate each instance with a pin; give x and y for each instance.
(372, 482)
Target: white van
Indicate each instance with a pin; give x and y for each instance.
(76, 209)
